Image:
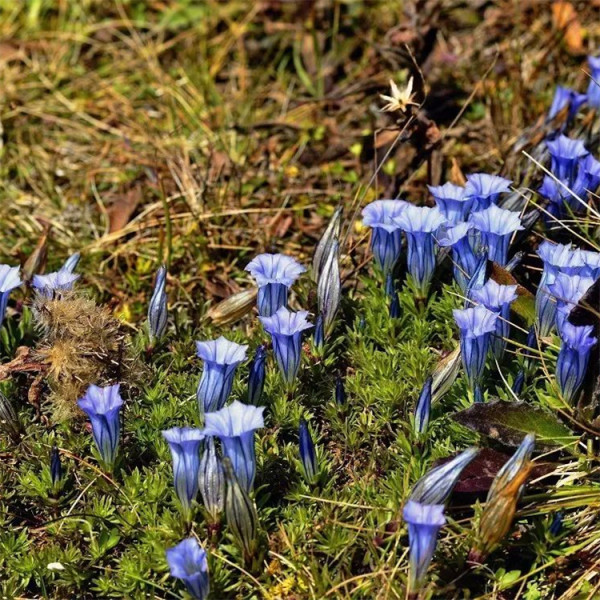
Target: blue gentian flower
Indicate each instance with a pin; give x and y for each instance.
(519, 382)
(256, 378)
(497, 298)
(423, 408)
(234, 425)
(319, 334)
(565, 153)
(476, 326)
(285, 328)
(221, 358)
(71, 263)
(308, 456)
(184, 443)
(340, 391)
(497, 226)
(157, 310)
(55, 468)
(593, 91)
(484, 189)
(395, 306)
(556, 195)
(53, 283)
(187, 561)
(587, 180)
(556, 258)
(564, 96)
(556, 524)
(386, 236)
(420, 224)
(102, 406)
(424, 522)
(591, 260)
(9, 280)
(572, 363)
(568, 291)
(211, 479)
(274, 275)
(452, 201)
(436, 485)
(464, 259)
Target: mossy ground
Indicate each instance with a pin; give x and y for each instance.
(199, 134)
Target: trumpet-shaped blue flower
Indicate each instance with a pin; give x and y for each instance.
(476, 325)
(564, 96)
(234, 425)
(452, 201)
(556, 195)
(587, 180)
(464, 259)
(591, 260)
(496, 226)
(71, 263)
(184, 443)
(420, 224)
(308, 456)
(9, 280)
(285, 328)
(221, 358)
(53, 283)
(573, 359)
(568, 291)
(423, 407)
(187, 561)
(565, 153)
(256, 378)
(274, 275)
(518, 383)
(424, 522)
(157, 310)
(593, 91)
(102, 406)
(497, 298)
(484, 189)
(437, 484)
(386, 236)
(556, 258)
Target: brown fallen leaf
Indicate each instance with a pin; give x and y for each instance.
(120, 211)
(456, 174)
(22, 363)
(564, 18)
(37, 259)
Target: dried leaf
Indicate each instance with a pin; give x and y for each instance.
(564, 18)
(121, 210)
(37, 259)
(510, 422)
(233, 308)
(456, 174)
(524, 305)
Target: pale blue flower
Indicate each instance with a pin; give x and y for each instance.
(484, 189)
(452, 201)
(187, 561)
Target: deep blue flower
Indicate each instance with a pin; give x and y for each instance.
(593, 91)
(71, 263)
(497, 298)
(9, 280)
(256, 377)
(497, 226)
(157, 310)
(423, 407)
(274, 275)
(556, 524)
(55, 468)
(102, 406)
(234, 425)
(52, 283)
(558, 198)
(478, 279)
(519, 382)
(340, 392)
(221, 358)
(386, 236)
(424, 522)
(436, 485)
(484, 189)
(187, 561)
(572, 363)
(395, 306)
(390, 286)
(476, 325)
(184, 443)
(556, 258)
(568, 291)
(319, 334)
(285, 328)
(211, 479)
(452, 201)
(564, 96)
(565, 153)
(308, 456)
(587, 180)
(420, 224)
(464, 259)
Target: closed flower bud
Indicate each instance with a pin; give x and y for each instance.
(211, 480)
(395, 306)
(423, 408)
(319, 335)
(519, 382)
(329, 237)
(329, 287)
(556, 524)
(157, 310)
(340, 392)
(242, 519)
(256, 377)
(71, 263)
(55, 469)
(308, 455)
